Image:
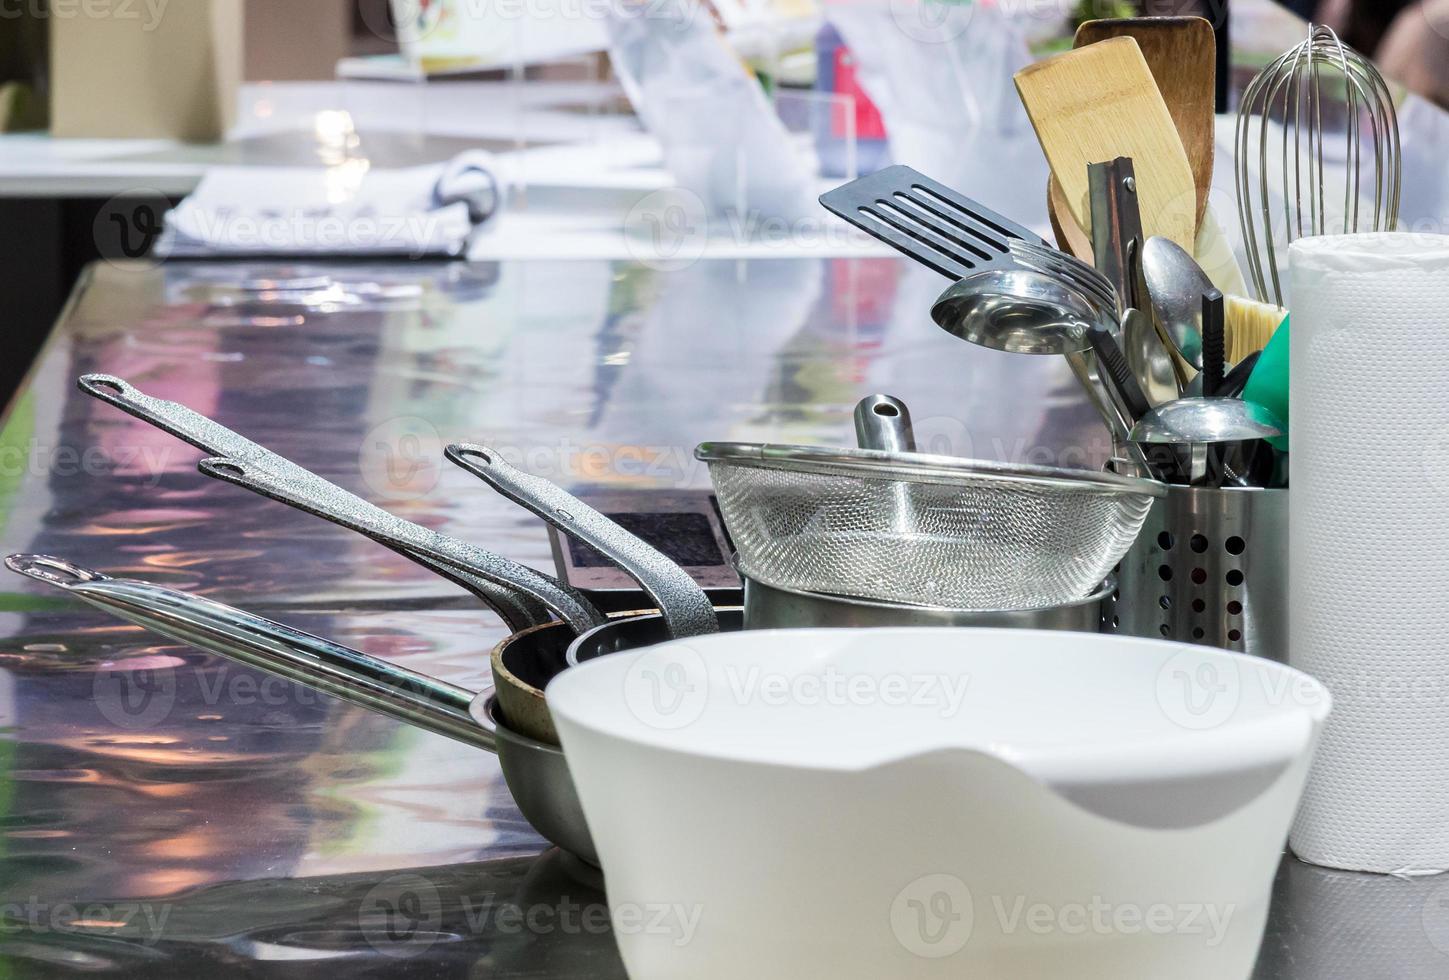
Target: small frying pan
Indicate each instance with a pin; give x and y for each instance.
(536, 772)
(521, 595)
(686, 609)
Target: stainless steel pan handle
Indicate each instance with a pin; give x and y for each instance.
(566, 603)
(686, 609)
(518, 610)
(266, 645)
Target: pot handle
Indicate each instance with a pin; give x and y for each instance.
(518, 610)
(567, 604)
(884, 423)
(685, 607)
(290, 653)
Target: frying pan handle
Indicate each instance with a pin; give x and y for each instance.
(171, 417)
(884, 423)
(686, 609)
(269, 646)
(517, 610)
(343, 509)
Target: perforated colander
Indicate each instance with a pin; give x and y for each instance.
(928, 530)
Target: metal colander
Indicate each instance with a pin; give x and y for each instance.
(926, 530)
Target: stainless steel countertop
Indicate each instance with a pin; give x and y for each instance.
(166, 814)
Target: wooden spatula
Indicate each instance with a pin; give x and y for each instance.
(1070, 236)
(1181, 53)
(1101, 102)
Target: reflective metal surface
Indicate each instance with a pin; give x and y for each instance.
(166, 814)
(1210, 567)
(1020, 310)
(768, 607)
(1210, 421)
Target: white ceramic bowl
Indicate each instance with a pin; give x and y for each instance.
(937, 802)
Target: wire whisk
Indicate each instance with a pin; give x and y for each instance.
(1301, 106)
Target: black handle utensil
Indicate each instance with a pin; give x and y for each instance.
(1214, 343)
(1161, 460)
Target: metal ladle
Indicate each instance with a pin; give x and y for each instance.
(1208, 421)
(1204, 422)
(1024, 310)
(1021, 311)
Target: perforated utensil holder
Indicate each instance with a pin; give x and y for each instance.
(1210, 567)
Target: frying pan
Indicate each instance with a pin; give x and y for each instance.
(522, 596)
(536, 772)
(686, 610)
(684, 605)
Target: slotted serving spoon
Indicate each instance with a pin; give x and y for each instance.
(926, 220)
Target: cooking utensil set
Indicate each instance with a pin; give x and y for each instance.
(1028, 298)
(885, 536)
(556, 627)
(1143, 325)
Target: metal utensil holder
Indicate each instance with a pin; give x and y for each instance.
(1210, 567)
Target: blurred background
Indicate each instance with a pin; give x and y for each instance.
(115, 110)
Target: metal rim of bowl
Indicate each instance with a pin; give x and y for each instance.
(1098, 595)
(871, 464)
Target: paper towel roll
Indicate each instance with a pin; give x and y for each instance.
(1369, 544)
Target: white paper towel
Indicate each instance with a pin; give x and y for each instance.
(1369, 544)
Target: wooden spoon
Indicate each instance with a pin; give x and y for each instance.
(1100, 102)
(1070, 235)
(1181, 53)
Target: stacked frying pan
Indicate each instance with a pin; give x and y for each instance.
(889, 498)
(554, 625)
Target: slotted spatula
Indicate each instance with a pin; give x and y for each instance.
(934, 225)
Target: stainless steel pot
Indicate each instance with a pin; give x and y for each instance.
(768, 607)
